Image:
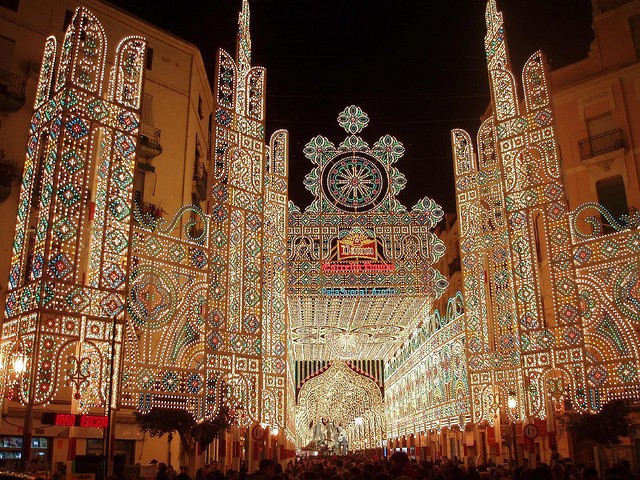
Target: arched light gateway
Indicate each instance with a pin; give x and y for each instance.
(339, 409)
(360, 277)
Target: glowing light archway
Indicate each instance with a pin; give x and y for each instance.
(346, 400)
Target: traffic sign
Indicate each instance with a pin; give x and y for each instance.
(257, 432)
(530, 431)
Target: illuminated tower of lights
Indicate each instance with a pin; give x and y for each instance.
(70, 259)
(248, 222)
(488, 274)
(547, 305)
(509, 197)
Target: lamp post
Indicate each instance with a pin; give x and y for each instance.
(512, 402)
(108, 441)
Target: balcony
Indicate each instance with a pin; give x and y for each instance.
(150, 214)
(149, 146)
(201, 179)
(600, 144)
(12, 88)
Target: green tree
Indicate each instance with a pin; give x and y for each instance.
(160, 421)
(606, 427)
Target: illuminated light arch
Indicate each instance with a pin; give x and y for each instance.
(389, 279)
(339, 394)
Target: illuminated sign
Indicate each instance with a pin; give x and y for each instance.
(358, 292)
(357, 246)
(357, 267)
(73, 420)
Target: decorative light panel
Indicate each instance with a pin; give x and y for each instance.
(192, 318)
(345, 400)
(359, 263)
(548, 307)
(426, 381)
(67, 330)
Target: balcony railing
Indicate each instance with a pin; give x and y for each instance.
(150, 146)
(602, 143)
(12, 89)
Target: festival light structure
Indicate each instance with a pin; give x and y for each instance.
(191, 316)
(549, 313)
(346, 398)
(184, 317)
(82, 139)
(426, 381)
(359, 264)
(548, 317)
(360, 269)
(207, 311)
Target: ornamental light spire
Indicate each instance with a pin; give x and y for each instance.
(495, 44)
(243, 49)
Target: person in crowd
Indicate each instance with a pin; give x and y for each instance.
(163, 472)
(265, 471)
(184, 473)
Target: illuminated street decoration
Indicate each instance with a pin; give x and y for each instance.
(207, 313)
(426, 381)
(550, 307)
(550, 301)
(64, 326)
(360, 274)
(345, 399)
(246, 347)
(198, 314)
(546, 304)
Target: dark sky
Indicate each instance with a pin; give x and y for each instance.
(417, 69)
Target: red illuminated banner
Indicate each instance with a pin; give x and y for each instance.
(95, 421)
(72, 420)
(357, 267)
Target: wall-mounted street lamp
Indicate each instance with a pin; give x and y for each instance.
(20, 368)
(512, 403)
(19, 364)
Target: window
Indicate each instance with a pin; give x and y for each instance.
(149, 58)
(634, 24)
(138, 186)
(600, 124)
(612, 196)
(10, 4)
(200, 107)
(6, 53)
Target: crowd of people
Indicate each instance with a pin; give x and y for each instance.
(400, 467)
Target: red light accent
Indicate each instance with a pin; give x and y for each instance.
(95, 421)
(65, 419)
(71, 420)
(358, 267)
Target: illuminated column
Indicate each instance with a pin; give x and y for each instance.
(56, 320)
(275, 283)
(523, 198)
(244, 255)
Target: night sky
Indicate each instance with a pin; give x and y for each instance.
(417, 69)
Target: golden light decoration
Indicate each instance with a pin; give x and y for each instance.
(345, 400)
